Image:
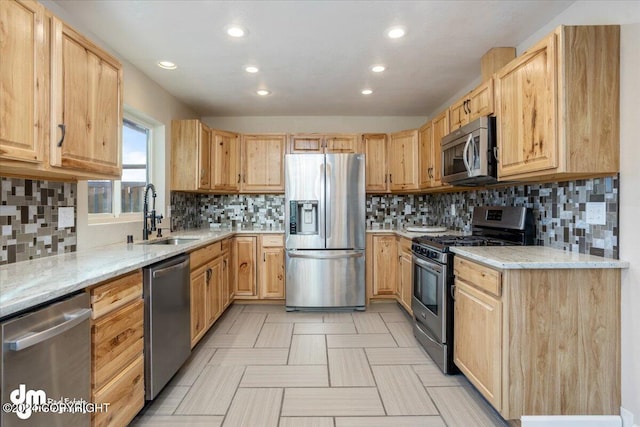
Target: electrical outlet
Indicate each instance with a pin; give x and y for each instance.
(596, 213)
(453, 210)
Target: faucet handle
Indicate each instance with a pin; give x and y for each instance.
(159, 218)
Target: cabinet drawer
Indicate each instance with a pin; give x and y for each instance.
(115, 294)
(116, 339)
(205, 254)
(271, 241)
(482, 277)
(125, 395)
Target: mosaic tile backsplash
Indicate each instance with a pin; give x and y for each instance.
(29, 219)
(559, 211)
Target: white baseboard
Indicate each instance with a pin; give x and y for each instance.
(627, 418)
(572, 421)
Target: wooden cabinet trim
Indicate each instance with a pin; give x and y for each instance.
(108, 297)
(484, 278)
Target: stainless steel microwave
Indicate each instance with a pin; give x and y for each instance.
(468, 154)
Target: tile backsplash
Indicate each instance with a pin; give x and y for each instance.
(29, 219)
(559, 210)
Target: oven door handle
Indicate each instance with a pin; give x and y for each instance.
(465, 154)
(429, 266)
(427, 334)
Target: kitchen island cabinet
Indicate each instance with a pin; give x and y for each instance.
(514, 326)
(117, 343)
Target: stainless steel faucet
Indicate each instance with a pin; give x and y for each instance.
(149, 215)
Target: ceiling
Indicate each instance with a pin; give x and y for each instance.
(314, 56)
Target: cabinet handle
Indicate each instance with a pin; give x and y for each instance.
(264, 257)
(453, 292)
(390, 181)
(224, 264)
(244, 179)
(238, 179)
(385, 178)
(63, 128)
(495, 154)
(209, 272)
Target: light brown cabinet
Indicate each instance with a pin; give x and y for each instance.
(209, 287)
(384, 261)
(271, 272)
(513, 327)
(430, 148)
(225, 161)
(244, 266)
(324, 143)
(190, 156)
(263, 163)
(24, 84)
(557, 106)
(403, 160)
(117, 343)
(375, 156)
(405, 274)
(479, 102)
(62, 109)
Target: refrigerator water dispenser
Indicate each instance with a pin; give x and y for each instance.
(303, 217)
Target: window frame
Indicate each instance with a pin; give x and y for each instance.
(116, 215)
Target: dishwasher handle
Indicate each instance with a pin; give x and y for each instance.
(30, 339)
(164, 271)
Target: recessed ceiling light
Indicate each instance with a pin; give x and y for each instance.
(378, 68)
(367, 91)
(263, 92)
(251, 69)
(236, 31)
(396, 32)
(167, 65)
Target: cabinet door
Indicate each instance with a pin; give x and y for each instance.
(214, 290)
(375, 156)
(440, 125)
(342, 144)
(227, 286)
(425, 138)
(310, 144)
(385, 264)
(204, 157)
(244, 266)
(403, 160)
(458, 114)
(225, 158)
(23, 80)
(480, 101)
(263, 163)
(198, 304)
(526, 94)
(406, 281)
(86, 105)
(478, 340)
(272, 274)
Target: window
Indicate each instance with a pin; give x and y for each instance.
(117, 198)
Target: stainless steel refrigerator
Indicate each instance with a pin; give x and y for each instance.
(325, 235)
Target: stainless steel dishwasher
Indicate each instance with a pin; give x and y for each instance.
(167, 309)
(46, 354)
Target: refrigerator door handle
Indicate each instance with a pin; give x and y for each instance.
(316, 255)
(320, 183)
(327, 198)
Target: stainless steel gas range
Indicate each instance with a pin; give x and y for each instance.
(432, 301)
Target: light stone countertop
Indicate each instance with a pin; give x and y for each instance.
(410, 234)
(534, 257)
(26, 284)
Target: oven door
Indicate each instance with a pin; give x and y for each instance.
(429, 296)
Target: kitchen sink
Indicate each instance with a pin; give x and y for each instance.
(171, 241)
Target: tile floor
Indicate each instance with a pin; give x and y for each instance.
(261, 366)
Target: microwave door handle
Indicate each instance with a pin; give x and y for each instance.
(465, 153)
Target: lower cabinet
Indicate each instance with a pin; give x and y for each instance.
(210, 293)
(539, 342)
(258, 266)
(382, 251)
(117, 345)
(405, 274)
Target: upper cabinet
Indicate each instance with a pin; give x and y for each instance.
(23, 86)
(557, 106)
(430, 136)
(403, 160)
(375, 156)
(478, 102)
(190, 156)
(225, 160)
(62, 107)
(314, 143)
(263, 163)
